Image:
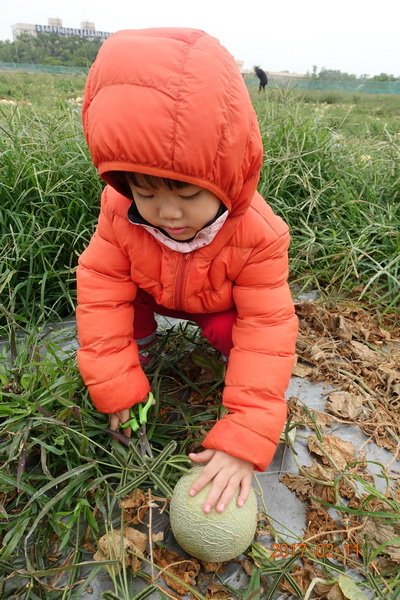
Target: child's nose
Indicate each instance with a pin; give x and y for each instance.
(170, 210)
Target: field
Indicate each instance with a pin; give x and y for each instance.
(332, 171)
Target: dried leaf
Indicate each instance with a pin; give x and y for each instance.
(379, 533)
(332, 340)
(113, 545)
(138, 538)
(318, 520)
(247, 566)
(173, 564)
(350, 589)
(364, 353)
(347, 490)
(335, 593)
(135, 507)
(298, 484)
(302, 370)
(346, 405)
(157, 537)
(209, 567)
(216, 591)
(341, 327)
(127, 547)
(306, 417)
(303, 575)
(112, 569)
(332, 450)
(321, 472)
(134, 500)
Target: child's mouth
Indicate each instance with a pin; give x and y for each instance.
(175, 230)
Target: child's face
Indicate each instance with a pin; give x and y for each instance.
(180, 212)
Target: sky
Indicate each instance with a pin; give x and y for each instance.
(353, 36)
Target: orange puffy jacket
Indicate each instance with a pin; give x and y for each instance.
(172, 103)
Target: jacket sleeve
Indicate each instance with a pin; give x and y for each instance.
(261, 360)
(108, 357)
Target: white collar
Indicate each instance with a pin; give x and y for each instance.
(204, 237)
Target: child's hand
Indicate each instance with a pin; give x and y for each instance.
(227, 473)
(116, 420)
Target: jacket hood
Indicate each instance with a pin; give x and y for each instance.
(171, 102)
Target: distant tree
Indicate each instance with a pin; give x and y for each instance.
(335, 74)
(326, 74)
(7, 51)
(50, 48)
(385, 77)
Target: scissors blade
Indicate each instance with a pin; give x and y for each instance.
(144, 445)
(120, 437)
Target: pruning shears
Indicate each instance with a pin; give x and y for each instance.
(138, 425)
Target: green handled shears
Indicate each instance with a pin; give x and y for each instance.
(138, 425)
(133, 422)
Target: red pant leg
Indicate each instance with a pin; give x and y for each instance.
(144, 324)
(215, 327)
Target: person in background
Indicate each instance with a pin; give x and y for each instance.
(183, 232)
(262, 76)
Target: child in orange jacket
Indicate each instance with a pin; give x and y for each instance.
(183, 232)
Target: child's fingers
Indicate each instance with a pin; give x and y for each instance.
(220, 496)
(201, 482)
(200, 457)
(114, 422)
(244, 491)
(127, 432)
(222, 493)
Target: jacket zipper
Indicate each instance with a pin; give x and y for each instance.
(180, 281)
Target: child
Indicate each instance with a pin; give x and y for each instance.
(182, 231)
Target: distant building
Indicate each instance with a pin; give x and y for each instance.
(283, 74)
(86, 30)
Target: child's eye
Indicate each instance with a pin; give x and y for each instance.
(142, 197)
(192, 196)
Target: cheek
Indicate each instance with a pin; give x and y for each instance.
(144, 209)
(209, 210)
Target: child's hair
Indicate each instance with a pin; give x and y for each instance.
(154, 182)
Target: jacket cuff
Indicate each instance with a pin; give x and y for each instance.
(120, 392)
(236, 440)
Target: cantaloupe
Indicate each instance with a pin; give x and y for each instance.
(212, 537)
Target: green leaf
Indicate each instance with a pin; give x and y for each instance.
(26, 381)
(350, 589)
(12, 482)
(48, 446)
(13, 537)
(56, 482)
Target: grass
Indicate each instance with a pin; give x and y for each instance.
(49, 204)
(340, 195)
(40, 88)
(331, 170)
(62, 480)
